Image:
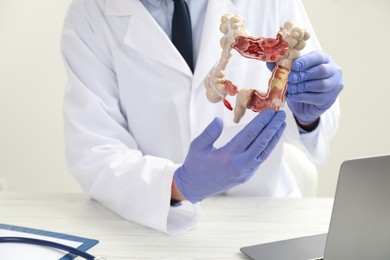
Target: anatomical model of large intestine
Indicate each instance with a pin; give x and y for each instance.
(282, 50)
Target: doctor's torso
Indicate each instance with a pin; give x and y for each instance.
(163, 102)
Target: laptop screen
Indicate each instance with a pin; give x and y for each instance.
(360, 223)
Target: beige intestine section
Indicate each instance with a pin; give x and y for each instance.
(296, 37)
(231, 27)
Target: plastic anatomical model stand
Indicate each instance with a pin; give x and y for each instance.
(282, 50)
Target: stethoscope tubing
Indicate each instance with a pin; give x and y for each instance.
(46, 243)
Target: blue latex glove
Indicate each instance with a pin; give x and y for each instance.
(314, 83)
(208, 170)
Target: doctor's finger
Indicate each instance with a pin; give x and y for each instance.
(209, 135)
(249, 133)
(310, 60)
(320, 85)
(271, 145)
(271, 65)
(264, 140)
(314, 98)
(321, 71)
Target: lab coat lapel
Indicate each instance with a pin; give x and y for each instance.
(210, 50)
(146, 36)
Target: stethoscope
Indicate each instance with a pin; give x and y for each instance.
(40, 242)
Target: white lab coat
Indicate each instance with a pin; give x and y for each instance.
(132, 105)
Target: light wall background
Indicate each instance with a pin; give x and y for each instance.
(32, 79)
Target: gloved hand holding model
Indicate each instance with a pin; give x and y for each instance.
(313, 86)
(208, 170)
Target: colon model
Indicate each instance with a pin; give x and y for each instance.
(282, 50)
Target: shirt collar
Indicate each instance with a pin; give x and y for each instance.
(157, 3)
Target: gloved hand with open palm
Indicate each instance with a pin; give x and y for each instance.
(208, 170)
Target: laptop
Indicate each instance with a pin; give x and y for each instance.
(360, 223)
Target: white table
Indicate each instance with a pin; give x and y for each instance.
(228, 224)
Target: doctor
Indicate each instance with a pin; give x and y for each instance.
(141, 137)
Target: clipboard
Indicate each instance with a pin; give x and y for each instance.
(26, 251)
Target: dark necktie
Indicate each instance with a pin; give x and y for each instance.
(181, 31)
